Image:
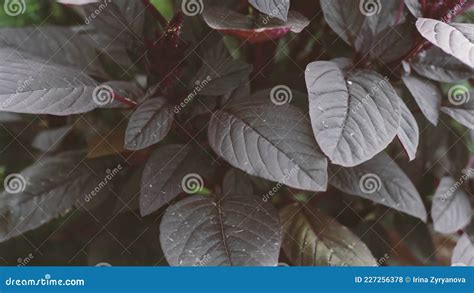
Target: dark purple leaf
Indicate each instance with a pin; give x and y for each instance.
(354, 117)
(232, 231)
(454, 40)
(149, 124)
(437, 65)
(120, 25)
(382, 181)
(461, 106)
(426, 94)
(311, 238)
(393, 42)
(269, 141)
(168, 173)
(69, 46)
(52, 187)
(451, 210)
(273, 8)
(219, 73)
(31, 85)
(244, 27)
(463, 253)
(409, 133)
(362, 24)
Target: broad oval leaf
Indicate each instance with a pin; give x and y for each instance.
(379, 24)
(120, 26)
(463, 253)
(164, 173)
(437, 65)
(344, 17)
(52, 187)
(451, 210)
(394, 42)
(463, 116)
(362, 23)
(269, 141)
(232, 231)
(448, 38)
(464, 112)
(409, 133)
(31, 85)
(352, 120)
(382, 181)
(69, 46)
(244, 27)
(219, 73)
(426, 94)
(273, 8)
(467, 29)
(311, 238)
(149, 124)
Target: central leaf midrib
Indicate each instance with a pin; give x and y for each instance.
(156, 113)
(221, 225)
(272, 144)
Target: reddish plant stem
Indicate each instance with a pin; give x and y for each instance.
(423, 6)
(400, 11)
(125, 101)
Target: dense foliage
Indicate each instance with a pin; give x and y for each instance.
(237, 132)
